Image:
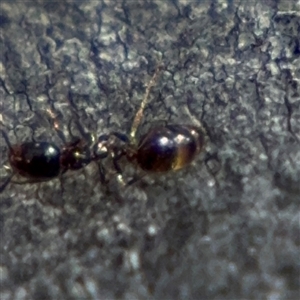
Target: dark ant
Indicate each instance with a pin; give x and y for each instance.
(162, 149)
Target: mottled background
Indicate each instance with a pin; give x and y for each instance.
(224, 229)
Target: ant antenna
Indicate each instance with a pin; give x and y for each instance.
(139, 115)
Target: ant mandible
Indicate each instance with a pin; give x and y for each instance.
(161, 149)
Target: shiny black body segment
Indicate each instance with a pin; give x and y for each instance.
(169, 147)
(35, 160)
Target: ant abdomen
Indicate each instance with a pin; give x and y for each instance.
(35, 160)
(168, 148)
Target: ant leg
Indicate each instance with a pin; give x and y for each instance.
(212, 164)
(90, 138)
(105, 147)
(6, 140)
(30, 181)
(8, 169)
(6, 182)
(119, 173)
(86, 136)
(102, 173)
(101, 150)
(122, 137)
(139, 115)
(135, 179)
(74, 118)
(55, 125)
(116, 162)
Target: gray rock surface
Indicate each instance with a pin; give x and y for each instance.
(224, 229)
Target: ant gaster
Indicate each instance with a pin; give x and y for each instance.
(162, 149)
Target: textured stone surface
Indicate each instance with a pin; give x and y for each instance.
(227, 229)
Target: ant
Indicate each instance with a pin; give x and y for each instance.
(162, 149)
